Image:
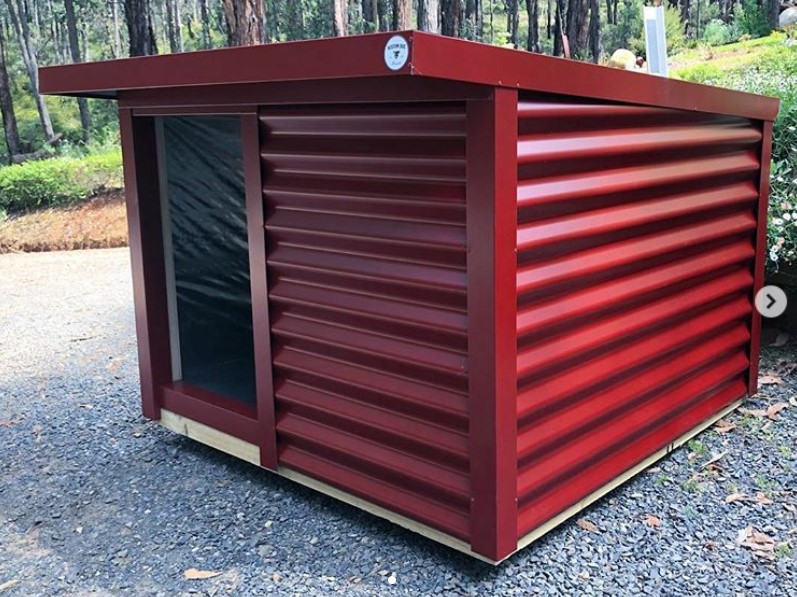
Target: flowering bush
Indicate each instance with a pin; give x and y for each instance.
(782, 224)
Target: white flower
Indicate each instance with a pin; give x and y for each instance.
(777, 221)
(787, 216)
(773, 256)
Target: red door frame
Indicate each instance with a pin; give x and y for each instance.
(253, 425)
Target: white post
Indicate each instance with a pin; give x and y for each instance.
(655, 43)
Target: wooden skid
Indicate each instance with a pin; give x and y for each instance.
(617, 481)
(251, 453)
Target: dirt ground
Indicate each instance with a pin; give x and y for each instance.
(100, 223)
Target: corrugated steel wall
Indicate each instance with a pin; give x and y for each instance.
(635, 245)
(367, 290)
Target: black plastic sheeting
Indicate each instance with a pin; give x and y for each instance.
(207, 212)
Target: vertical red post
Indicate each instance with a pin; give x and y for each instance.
(760, 252)
(255, 217)
(146, 256)
(492, 306)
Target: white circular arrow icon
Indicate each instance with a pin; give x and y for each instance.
(771, 301)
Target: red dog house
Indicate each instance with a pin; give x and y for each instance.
(465, 288)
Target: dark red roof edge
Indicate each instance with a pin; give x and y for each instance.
(430, 56)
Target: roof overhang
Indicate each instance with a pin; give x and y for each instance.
(363, 56)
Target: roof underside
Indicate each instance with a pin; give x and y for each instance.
(363, 56)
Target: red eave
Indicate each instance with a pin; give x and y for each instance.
(430, 56)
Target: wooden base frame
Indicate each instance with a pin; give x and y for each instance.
(251, 453)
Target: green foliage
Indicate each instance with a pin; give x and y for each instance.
(674, 30)
(58, 181)
(751, 19)
(718, 33)
(629, 32)
(700, 15)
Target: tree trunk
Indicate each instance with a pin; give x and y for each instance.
(595, 30)
(7, 104)
(577, 28)
(171, 29)
(513, 18)
(74, 50)
(452, 15)
(204, 16)
(470, 19)
(685, 17)
(533, 11)
(371, 15)
(117, 37)
(20, 19)
(429, 15)
(383, 12)
(402, 15)
(177, 17)
(558, 28)
(548, 19)
(244, 22)
(340, 18)
(139, 28)
(772, 9)
(492, 19)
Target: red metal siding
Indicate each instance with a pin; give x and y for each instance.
(635, 243)
(365, 227)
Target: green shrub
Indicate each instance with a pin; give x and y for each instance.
(673, 30)
(718, 33)
(751, 19)
(58, 181)
(628, 33)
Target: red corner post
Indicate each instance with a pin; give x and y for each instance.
(760, 252)
(492, 306)
(146, 256)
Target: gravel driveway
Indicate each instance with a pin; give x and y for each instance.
(96, 500)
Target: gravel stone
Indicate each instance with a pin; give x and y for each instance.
(96, 500)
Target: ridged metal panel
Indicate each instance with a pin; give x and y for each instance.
(635, 253)
(367, 292)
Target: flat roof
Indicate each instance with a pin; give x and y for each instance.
(427, 55)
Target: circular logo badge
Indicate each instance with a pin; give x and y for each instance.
(771, 301)
(397, 51)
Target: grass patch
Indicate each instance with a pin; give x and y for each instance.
(691, 486)
(714, 64)
(697, 447)
(95, 224)
(784, 550)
